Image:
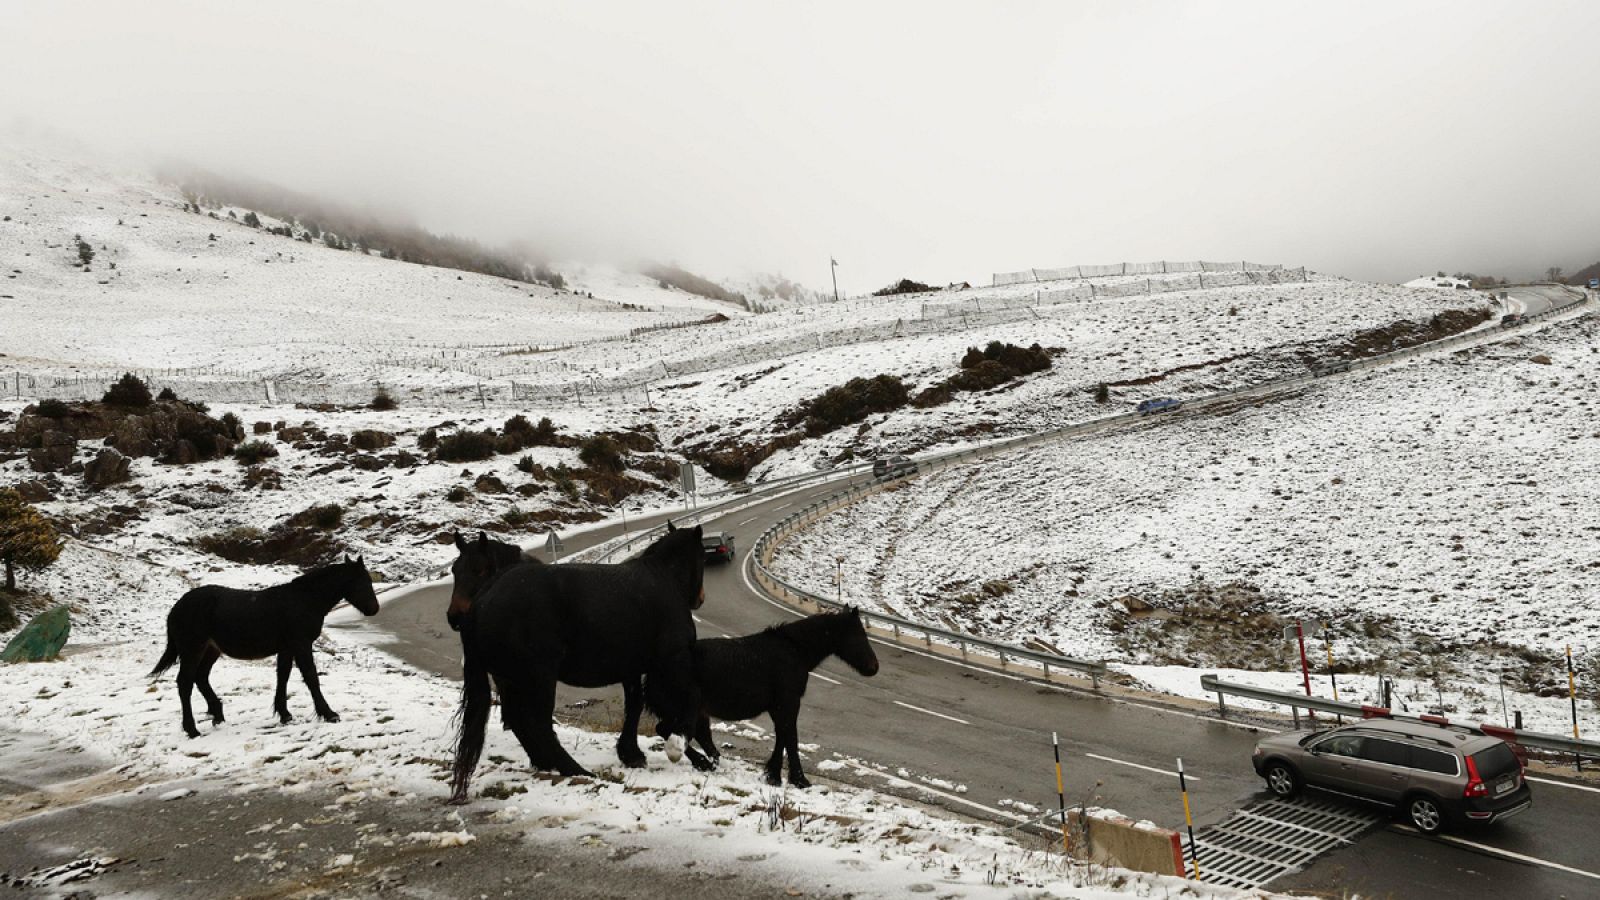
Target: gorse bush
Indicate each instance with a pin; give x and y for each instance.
(466, 446)
(602, 453)
(51, 408)
(251, 452)
(383, 401)
(129, 391)
(849, 403)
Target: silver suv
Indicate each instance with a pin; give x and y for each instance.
(1437, 776)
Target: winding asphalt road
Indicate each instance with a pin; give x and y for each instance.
(989, 734)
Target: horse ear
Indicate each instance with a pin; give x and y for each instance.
(361, 560)
(671, 527)
(460, 544)
(483, 539)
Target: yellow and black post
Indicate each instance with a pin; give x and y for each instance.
(1333, 679)
(1061, 794)
(1188, 820)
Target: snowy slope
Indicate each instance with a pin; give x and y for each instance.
(1444, 510)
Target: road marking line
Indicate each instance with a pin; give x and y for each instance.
(931, 712)
(1496, 851)
(1123, 762)
(745, 522)
(826, 678)
(1565, 784)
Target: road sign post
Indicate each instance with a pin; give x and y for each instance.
(553, 545)
(686, 479)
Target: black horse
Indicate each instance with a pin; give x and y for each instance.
(211, 621)
(587, 625)
(476, 565)
(741, 678)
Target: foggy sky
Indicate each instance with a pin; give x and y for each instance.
(1377, 140)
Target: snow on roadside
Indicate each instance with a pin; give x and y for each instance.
(393, 746)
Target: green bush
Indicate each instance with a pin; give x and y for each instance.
(466, 446)
(252, 452)
(602, 453)
(51, 408)
(383, 401)
(850, 403)
(129, 391)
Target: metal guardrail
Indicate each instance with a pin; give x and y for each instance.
(1535, 739)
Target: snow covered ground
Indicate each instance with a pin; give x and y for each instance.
(394, 744)
(1441, 516)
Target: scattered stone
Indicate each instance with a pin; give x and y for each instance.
(107, 468)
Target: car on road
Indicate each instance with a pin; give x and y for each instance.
(1512, 319)
(718, 545)
(1159, 405)
(1436, 777)
(893, 467)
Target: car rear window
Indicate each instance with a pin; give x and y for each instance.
(1495, 761)
(1379, 750)
(1433, 761)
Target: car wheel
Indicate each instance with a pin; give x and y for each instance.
(1282, 780)
(1425, 814)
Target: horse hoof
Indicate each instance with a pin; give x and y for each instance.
(800, 781)
(329, 716)
(216, 719)
(284, 718)
(703, 765)
(192, 732)
(635, 762)
(675, 747)
(774, 779)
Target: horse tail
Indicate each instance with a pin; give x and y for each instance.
(168, 657)
(472, 719)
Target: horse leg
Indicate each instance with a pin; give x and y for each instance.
(187, 664)
(308, 671)
(702, 733)
(202, 680)
(775, 761)
(536, 728)
(789, 739)
(280, 703)
(628, 740)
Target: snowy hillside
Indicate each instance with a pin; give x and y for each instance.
(168, 288)
(1449, 504)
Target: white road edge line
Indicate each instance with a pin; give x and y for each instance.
(1507, 854)
(1565, 784)
(1134, 765)
(930, 712)
(744, 523)
(826, 678)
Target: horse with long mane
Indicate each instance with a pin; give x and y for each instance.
(477, 562)
(211, 621)
(587, 625)
(741, 678)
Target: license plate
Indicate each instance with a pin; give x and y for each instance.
(1505, 787)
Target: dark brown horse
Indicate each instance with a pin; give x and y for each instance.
(586, 625)
(477, 562)
(210, 622)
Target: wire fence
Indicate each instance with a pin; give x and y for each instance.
(1160, 267)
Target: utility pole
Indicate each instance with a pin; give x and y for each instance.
(834, 268)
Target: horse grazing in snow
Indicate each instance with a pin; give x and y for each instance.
(212, 621)
(587, 625)
(741, 678)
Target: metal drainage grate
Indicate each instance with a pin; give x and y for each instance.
(1272, 838)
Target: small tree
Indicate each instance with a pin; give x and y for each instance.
(1553, 273)
(129, 391)
(1102, 394)
(251, 219)
(85, 252)
(27, 539)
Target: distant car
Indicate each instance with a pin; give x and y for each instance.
(1332, 368)
(1437, 776)
(1510, 320)
(1159, 405)
(718, 545)
(893, 467)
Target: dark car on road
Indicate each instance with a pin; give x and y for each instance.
(1511, 320)
(1437, 777)
(718, 545)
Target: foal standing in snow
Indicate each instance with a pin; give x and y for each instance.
(211, 621)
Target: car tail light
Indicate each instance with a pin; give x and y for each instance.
(1475, 785)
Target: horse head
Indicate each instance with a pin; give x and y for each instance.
(358, 591)
(475, 566)
(682, 552)
(850, 642)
